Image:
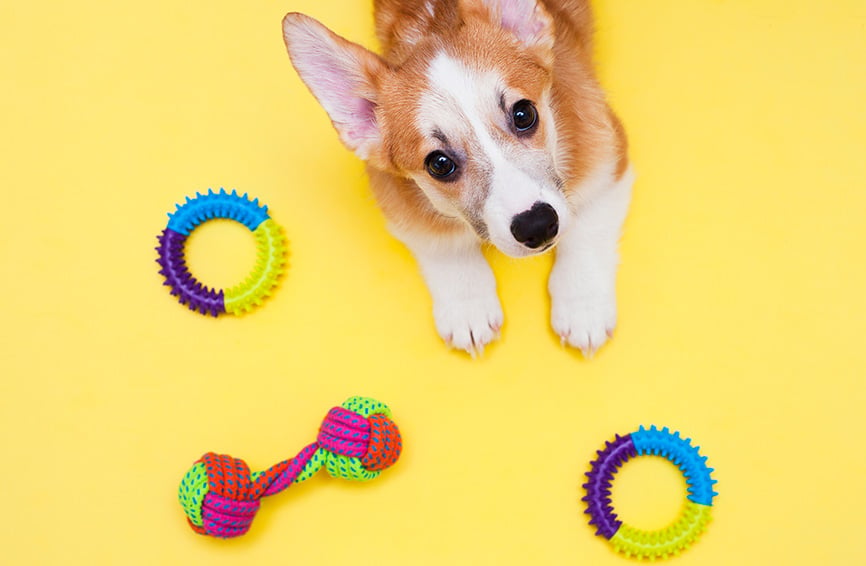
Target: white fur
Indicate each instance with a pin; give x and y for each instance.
(466, 308)
(469, 97)
(463, 103)
(582, 284)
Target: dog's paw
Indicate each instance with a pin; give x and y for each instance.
(584, 321)
(583, 324)
(469, 323)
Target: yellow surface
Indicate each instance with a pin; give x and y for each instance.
(743, 312)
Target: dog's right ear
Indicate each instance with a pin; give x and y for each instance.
(342, 75)
(527, 20)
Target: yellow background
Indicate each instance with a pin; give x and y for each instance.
(742, 303)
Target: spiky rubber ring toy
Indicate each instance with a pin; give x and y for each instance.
(270, 256)
(693, 520)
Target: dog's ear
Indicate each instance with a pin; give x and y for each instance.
(528, 20)
(343, 77)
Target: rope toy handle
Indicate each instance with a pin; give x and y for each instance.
(356, 441)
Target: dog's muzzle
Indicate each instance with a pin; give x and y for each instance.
(536, 227)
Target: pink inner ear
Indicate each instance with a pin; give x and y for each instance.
(335, 86)
(363, 120)
(336, 79)
(523, 18)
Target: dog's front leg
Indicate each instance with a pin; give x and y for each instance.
(582, 283)
(465, 304)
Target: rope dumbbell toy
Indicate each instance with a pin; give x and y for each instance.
(356, 441)
(270, 257)
(696, 513)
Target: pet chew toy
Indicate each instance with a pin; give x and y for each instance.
(271, 253)
(356, 441)
(696, 512)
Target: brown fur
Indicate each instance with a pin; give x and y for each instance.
(587, 128)
(484, 121)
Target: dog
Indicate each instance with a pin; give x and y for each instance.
(483, 122)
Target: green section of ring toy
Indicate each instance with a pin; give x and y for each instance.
(637, 543)
(270, 260)
(193, 487)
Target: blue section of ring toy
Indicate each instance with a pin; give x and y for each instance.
(217, 205)
(683, 455)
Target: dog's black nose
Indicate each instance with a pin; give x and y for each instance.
(535, 227)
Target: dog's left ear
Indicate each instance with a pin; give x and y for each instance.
(528, 20)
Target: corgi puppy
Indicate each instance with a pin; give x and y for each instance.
(483, 121)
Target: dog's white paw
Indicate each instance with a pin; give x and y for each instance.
(583, 320)
(469, 323)
(584, 324)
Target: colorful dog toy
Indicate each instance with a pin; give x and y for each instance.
(271, 253)
(356, 441)
(696, 513)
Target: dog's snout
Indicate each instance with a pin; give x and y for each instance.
(535, 227)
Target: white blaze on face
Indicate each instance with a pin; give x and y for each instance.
(507, 176)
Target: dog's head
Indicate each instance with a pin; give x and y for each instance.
(463, 108)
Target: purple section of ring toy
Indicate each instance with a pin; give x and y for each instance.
(600, 477)
(177, 276)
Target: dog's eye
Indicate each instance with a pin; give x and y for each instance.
(439, 165)
(525, 116)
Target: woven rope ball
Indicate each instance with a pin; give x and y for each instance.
(356, 441)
